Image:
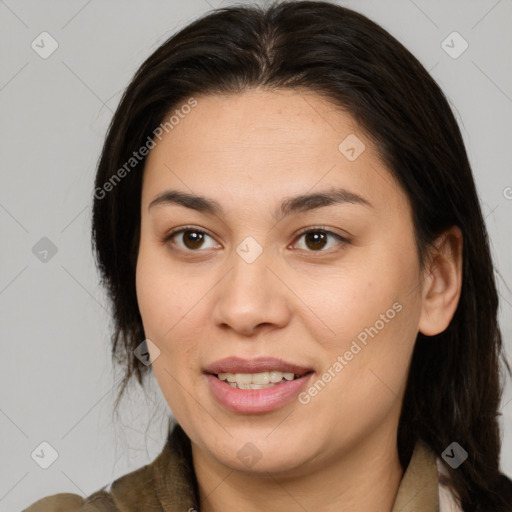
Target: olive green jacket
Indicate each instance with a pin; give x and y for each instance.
(168, 484)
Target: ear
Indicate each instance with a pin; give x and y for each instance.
(442, 283)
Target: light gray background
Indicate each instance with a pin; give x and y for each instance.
(57, 384)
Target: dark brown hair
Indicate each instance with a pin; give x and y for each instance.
(454, 385)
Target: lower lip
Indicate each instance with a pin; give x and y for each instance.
(256, 400)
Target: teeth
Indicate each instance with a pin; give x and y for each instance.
(243, 378)
(276, 376)
(255, 380)
(258, 378)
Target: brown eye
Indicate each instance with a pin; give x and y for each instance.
(192, 239)
(188, 239)
(316, 240)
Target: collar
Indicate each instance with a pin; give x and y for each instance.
(419, 488)
(169, 484)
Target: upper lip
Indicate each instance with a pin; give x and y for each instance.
(257, 365)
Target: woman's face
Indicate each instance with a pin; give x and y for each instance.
(244, 291)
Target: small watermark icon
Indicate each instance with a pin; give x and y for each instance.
(249, 249)
(44, 45)
(44, 455)
(44, 250)
(454, 455)
(454, 45)
(507, 192)
(249, 454)
(147, 352)
(351, 147)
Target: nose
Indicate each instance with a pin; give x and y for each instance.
(252, 297)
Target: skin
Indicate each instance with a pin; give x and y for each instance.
(296, 301)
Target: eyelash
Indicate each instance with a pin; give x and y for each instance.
(316, 229)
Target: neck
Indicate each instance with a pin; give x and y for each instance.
(366, 478)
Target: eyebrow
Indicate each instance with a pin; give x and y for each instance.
(297, 204)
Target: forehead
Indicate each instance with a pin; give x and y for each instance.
(262, 145)
(260, 119)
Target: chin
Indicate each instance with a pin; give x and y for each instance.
(284, 462)
(262, 450)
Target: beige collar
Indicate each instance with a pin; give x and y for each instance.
(419, 487)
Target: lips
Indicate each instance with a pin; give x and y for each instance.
(258, 365)
(252, 401)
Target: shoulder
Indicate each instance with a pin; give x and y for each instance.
(132, 491)
(57, 503)
(168, 482)
(66, 502)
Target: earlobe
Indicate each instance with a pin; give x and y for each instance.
(442, 283)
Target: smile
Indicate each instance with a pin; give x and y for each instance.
(251, 386)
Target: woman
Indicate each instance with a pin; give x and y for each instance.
(287, 224)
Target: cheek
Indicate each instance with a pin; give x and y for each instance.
(149, 295)
(374, 317)
(168, 304)
(159, 301)
(352, 301)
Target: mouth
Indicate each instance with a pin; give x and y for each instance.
(257, 385)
